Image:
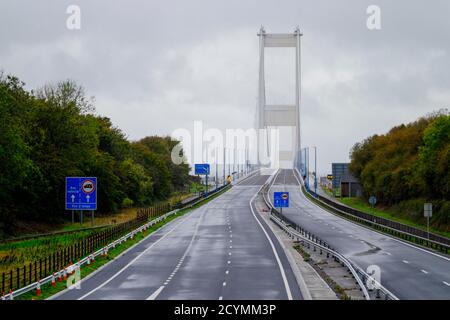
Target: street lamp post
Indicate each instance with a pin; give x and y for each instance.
(315, 170)
(217, 169)
(224, 159)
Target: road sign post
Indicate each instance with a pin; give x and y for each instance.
(372, 201)
(281, 200)
(81, 195)
(428, 213)
(203, 169)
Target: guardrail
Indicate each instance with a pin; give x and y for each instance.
(367, 283)
(73, 268)
(394, 228)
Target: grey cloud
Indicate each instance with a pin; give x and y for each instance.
(155, 66)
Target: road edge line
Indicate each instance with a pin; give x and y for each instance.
(280, 265)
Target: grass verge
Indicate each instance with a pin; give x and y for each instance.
(344, 216)
(338, 290)
(361, 205)
(47, 290)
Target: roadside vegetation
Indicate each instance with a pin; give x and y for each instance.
(54, 132)
(362, 205)
(85, 270)
(16, 253)
(405, 168)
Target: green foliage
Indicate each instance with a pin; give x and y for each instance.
(127, 203)
(47, 136)
(410, 162)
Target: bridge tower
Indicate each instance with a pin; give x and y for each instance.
(281, 115)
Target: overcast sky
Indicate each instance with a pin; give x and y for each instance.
(155, 66)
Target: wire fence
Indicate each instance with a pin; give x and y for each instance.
(397, 229)
(43, 267)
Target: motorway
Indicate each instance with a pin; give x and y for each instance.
(407, 271)
(222, 250)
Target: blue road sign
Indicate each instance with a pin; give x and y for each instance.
(202, 168)
(81, 193)
(281, 199)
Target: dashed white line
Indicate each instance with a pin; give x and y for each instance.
(405, 261)
(134, 260)
(220, 298)
(424, 271)
(446, 283)
(156, 293)
(224, 283)
(180, 262)
(227, 272)
(280, 265)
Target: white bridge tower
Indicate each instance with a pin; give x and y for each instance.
(280, 115)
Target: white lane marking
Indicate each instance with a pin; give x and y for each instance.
(133, 261)
(220, 298)
(229, 253)
(446, 283)
(231, 247)
(231, 241)
(227, 272)
(187, 249)
(424, 271)
(388, 253)
(280, 265)
(369, 229)
(228, 261)
(156, 293)
(405, 261)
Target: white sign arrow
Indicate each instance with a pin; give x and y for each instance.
(73, 198)
(87, 198)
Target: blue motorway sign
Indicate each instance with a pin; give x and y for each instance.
(81, 193)
(202, 168)
(281, 199)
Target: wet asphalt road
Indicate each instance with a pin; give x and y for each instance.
(407, 271)
(218, 251)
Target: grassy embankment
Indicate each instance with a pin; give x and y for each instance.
(48, 290)
(388, 213)
(15, 254)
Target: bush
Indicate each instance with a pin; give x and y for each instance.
(47, 136)
(127, 203)
(408, 166)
